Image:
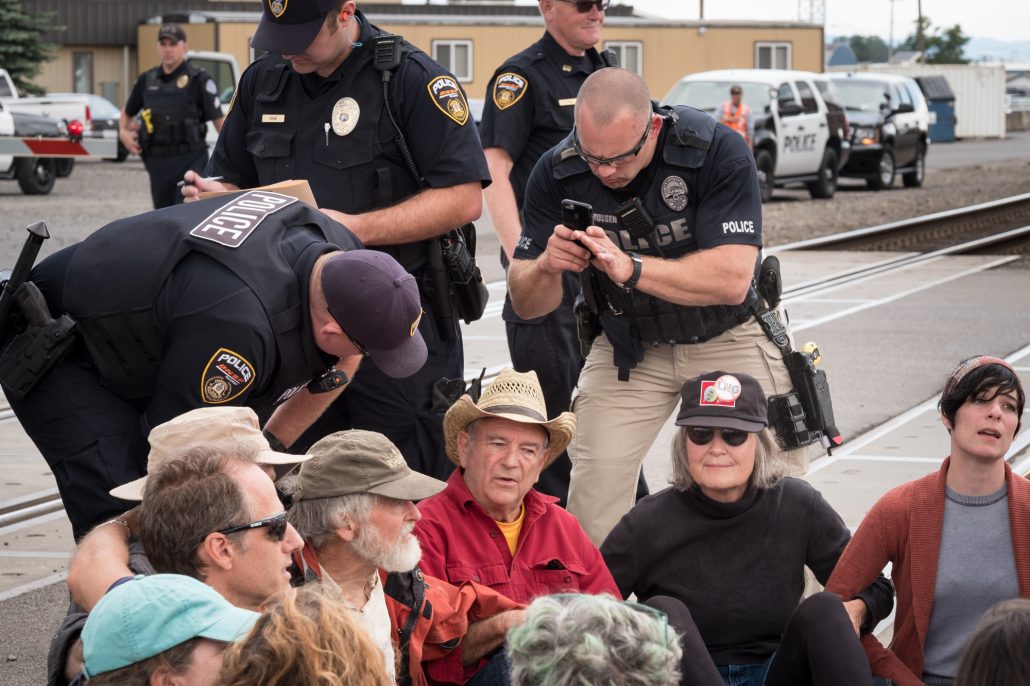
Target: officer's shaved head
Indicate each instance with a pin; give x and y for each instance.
(610, 93)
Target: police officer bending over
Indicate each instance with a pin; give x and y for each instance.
(528, 110)
(313, 108)
(174, 100)
(242, 299)
(671, 273)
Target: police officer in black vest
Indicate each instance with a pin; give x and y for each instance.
(528, 110)
(173, 100)
(672, 256)
(314, 108)
(243, 299)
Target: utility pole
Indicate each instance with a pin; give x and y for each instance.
(922, 37)
(890, 40)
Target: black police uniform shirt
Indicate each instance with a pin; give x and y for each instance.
(201, 89)
(210, 336)
(334, 132)
(694, 208)
(529, 104)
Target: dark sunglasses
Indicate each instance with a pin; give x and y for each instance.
(703, 435)
(275, 527)
(615, 161)
(583, 6)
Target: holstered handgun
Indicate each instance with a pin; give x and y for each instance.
(33, 352)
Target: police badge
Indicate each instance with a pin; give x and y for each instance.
(674, 193)
(182, 81)
(277, 7)
(346, 113)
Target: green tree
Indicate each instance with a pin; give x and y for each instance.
(943, 46)
(22, 49)
(868, 48)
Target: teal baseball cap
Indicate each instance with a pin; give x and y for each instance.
(148, 615)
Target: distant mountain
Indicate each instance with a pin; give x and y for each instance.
(990, 50)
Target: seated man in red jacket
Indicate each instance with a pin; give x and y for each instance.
(489, 525)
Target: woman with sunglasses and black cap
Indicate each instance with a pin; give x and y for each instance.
(958, 539)
(723, 553)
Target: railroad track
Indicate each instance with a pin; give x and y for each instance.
(998, 227)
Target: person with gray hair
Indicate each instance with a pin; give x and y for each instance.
(593, 640)
(723, 552)
(353, 506)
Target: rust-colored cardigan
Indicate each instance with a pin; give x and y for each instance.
(904, 528)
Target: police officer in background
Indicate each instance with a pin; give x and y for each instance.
(174, 100)
(528, 110)
(244, 299)
(313, 108)
(673, 275)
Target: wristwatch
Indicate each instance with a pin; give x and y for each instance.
(638, 264)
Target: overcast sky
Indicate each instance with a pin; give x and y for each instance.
(999, 19)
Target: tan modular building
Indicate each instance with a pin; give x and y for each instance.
(471, 39)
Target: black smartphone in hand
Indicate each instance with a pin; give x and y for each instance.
(577, 216)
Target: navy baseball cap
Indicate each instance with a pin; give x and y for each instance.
(377, 305)
(172, 32)
(288, 27)
(723, 400)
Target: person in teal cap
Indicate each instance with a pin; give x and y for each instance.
(160, 629)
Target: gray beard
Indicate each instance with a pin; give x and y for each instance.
(401, 555)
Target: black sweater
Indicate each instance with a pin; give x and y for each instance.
(738, 567)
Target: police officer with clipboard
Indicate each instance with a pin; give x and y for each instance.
(528, 110)
(174, 101)
(673, 255)
(314, 108)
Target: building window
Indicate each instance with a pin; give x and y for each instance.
(456, 56)
(772, 56)
(630, 54)
(82, 72)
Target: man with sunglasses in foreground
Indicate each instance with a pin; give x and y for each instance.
(669, 264)
(528, 110)
(209, 510)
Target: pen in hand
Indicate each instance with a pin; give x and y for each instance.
(213, 178)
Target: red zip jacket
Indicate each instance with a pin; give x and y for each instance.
(461, 542)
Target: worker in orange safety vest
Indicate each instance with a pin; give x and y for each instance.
(736, 115)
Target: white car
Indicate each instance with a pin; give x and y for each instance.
(800, 128)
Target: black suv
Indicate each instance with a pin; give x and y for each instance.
(889, 129)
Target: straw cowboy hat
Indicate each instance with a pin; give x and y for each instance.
(513, 396)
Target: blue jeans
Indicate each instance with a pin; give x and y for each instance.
(745, 675)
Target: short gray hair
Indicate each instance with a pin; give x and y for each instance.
(588, 640)
(769, 464)
(317, 520)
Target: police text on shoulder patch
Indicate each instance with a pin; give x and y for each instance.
(509, 89)
(232, 223)
(448, 96)
(226, 376)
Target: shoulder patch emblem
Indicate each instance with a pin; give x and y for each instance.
(509, 89)
(210, 87)
(233, 222)
(226, 376)
(449, 98)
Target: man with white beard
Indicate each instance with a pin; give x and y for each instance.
(353, 505)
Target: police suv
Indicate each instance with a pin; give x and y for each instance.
(800, 127)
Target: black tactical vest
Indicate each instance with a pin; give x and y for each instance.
(115, 276)
(353, 173)
(178, 125)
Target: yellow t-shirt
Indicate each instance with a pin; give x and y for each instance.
(511, 530)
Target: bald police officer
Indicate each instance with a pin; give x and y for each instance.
(313, 108)
(673, 285)
(175, 99)
(244, 299)
(528, 110)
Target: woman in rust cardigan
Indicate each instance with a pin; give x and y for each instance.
(958, 539)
